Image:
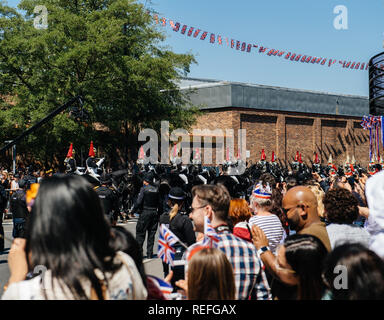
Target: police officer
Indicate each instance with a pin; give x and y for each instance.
(18, 207)
(108, 198)
(148, 204)
(181, 225)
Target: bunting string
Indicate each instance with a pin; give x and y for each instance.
(248, 47)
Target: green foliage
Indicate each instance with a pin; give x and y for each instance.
(110, 52)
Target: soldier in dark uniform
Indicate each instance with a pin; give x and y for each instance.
(108, 198)
(91, 160)
(148, 204)
(70, 163)
(18, 207)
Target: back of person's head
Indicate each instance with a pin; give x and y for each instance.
(305, 254)
(261, 196)
(210, 276)
(291, 182)
(319, 193)
(176, 198)
(340, 206)
(267, 178)
(359, 272)
(239, 211)
(69, 234)
(217, 196)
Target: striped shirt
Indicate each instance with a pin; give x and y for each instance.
(272, 228)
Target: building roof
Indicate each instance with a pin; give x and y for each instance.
(214, 94)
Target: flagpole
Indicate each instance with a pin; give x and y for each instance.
(183, 244)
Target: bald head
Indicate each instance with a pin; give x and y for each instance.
(300, 204)
(300, 195)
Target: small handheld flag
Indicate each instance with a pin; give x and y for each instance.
(210, 233)
(166, 240)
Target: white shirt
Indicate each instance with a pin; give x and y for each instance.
(124, 284)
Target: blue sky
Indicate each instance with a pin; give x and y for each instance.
(300, 26)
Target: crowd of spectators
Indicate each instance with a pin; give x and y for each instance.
(317, 240)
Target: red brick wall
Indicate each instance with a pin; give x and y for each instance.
(288, 132)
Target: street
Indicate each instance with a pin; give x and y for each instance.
(152, 266)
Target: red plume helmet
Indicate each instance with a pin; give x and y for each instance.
(273, 156)
(91, 152)
(297, 156)
(317, 158)
(69, 154)
(141, 153)
(263, 156)
(301, 161)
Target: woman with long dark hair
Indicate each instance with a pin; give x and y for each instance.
(296, 266)
(70, 238)
(353, 272)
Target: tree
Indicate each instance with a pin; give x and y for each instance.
(108, 51)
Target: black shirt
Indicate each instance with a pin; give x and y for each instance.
(181, 226)
(108, 199)
(148, 198)
(18, 205)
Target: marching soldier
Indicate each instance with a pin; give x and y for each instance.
(91, 160)
(70, 161)
(108, 198)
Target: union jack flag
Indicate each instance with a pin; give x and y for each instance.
(165, 242)
(211, 237)
(165, 287)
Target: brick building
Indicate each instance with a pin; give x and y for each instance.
(284, 120)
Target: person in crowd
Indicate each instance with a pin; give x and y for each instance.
(109, 198)
(268, 222)
(14, 181)
(124, 241)
(179, 223)
(297, 265)
(277, 204)
(209, 277)
(5, 180)
(20, 213)
(213, 201)
(359, 276)
(149, 204)
(319, 194)
(341, 210)
(374, 190)
(300, 206)
(70, 236)
(290, 183)
(240, 213)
